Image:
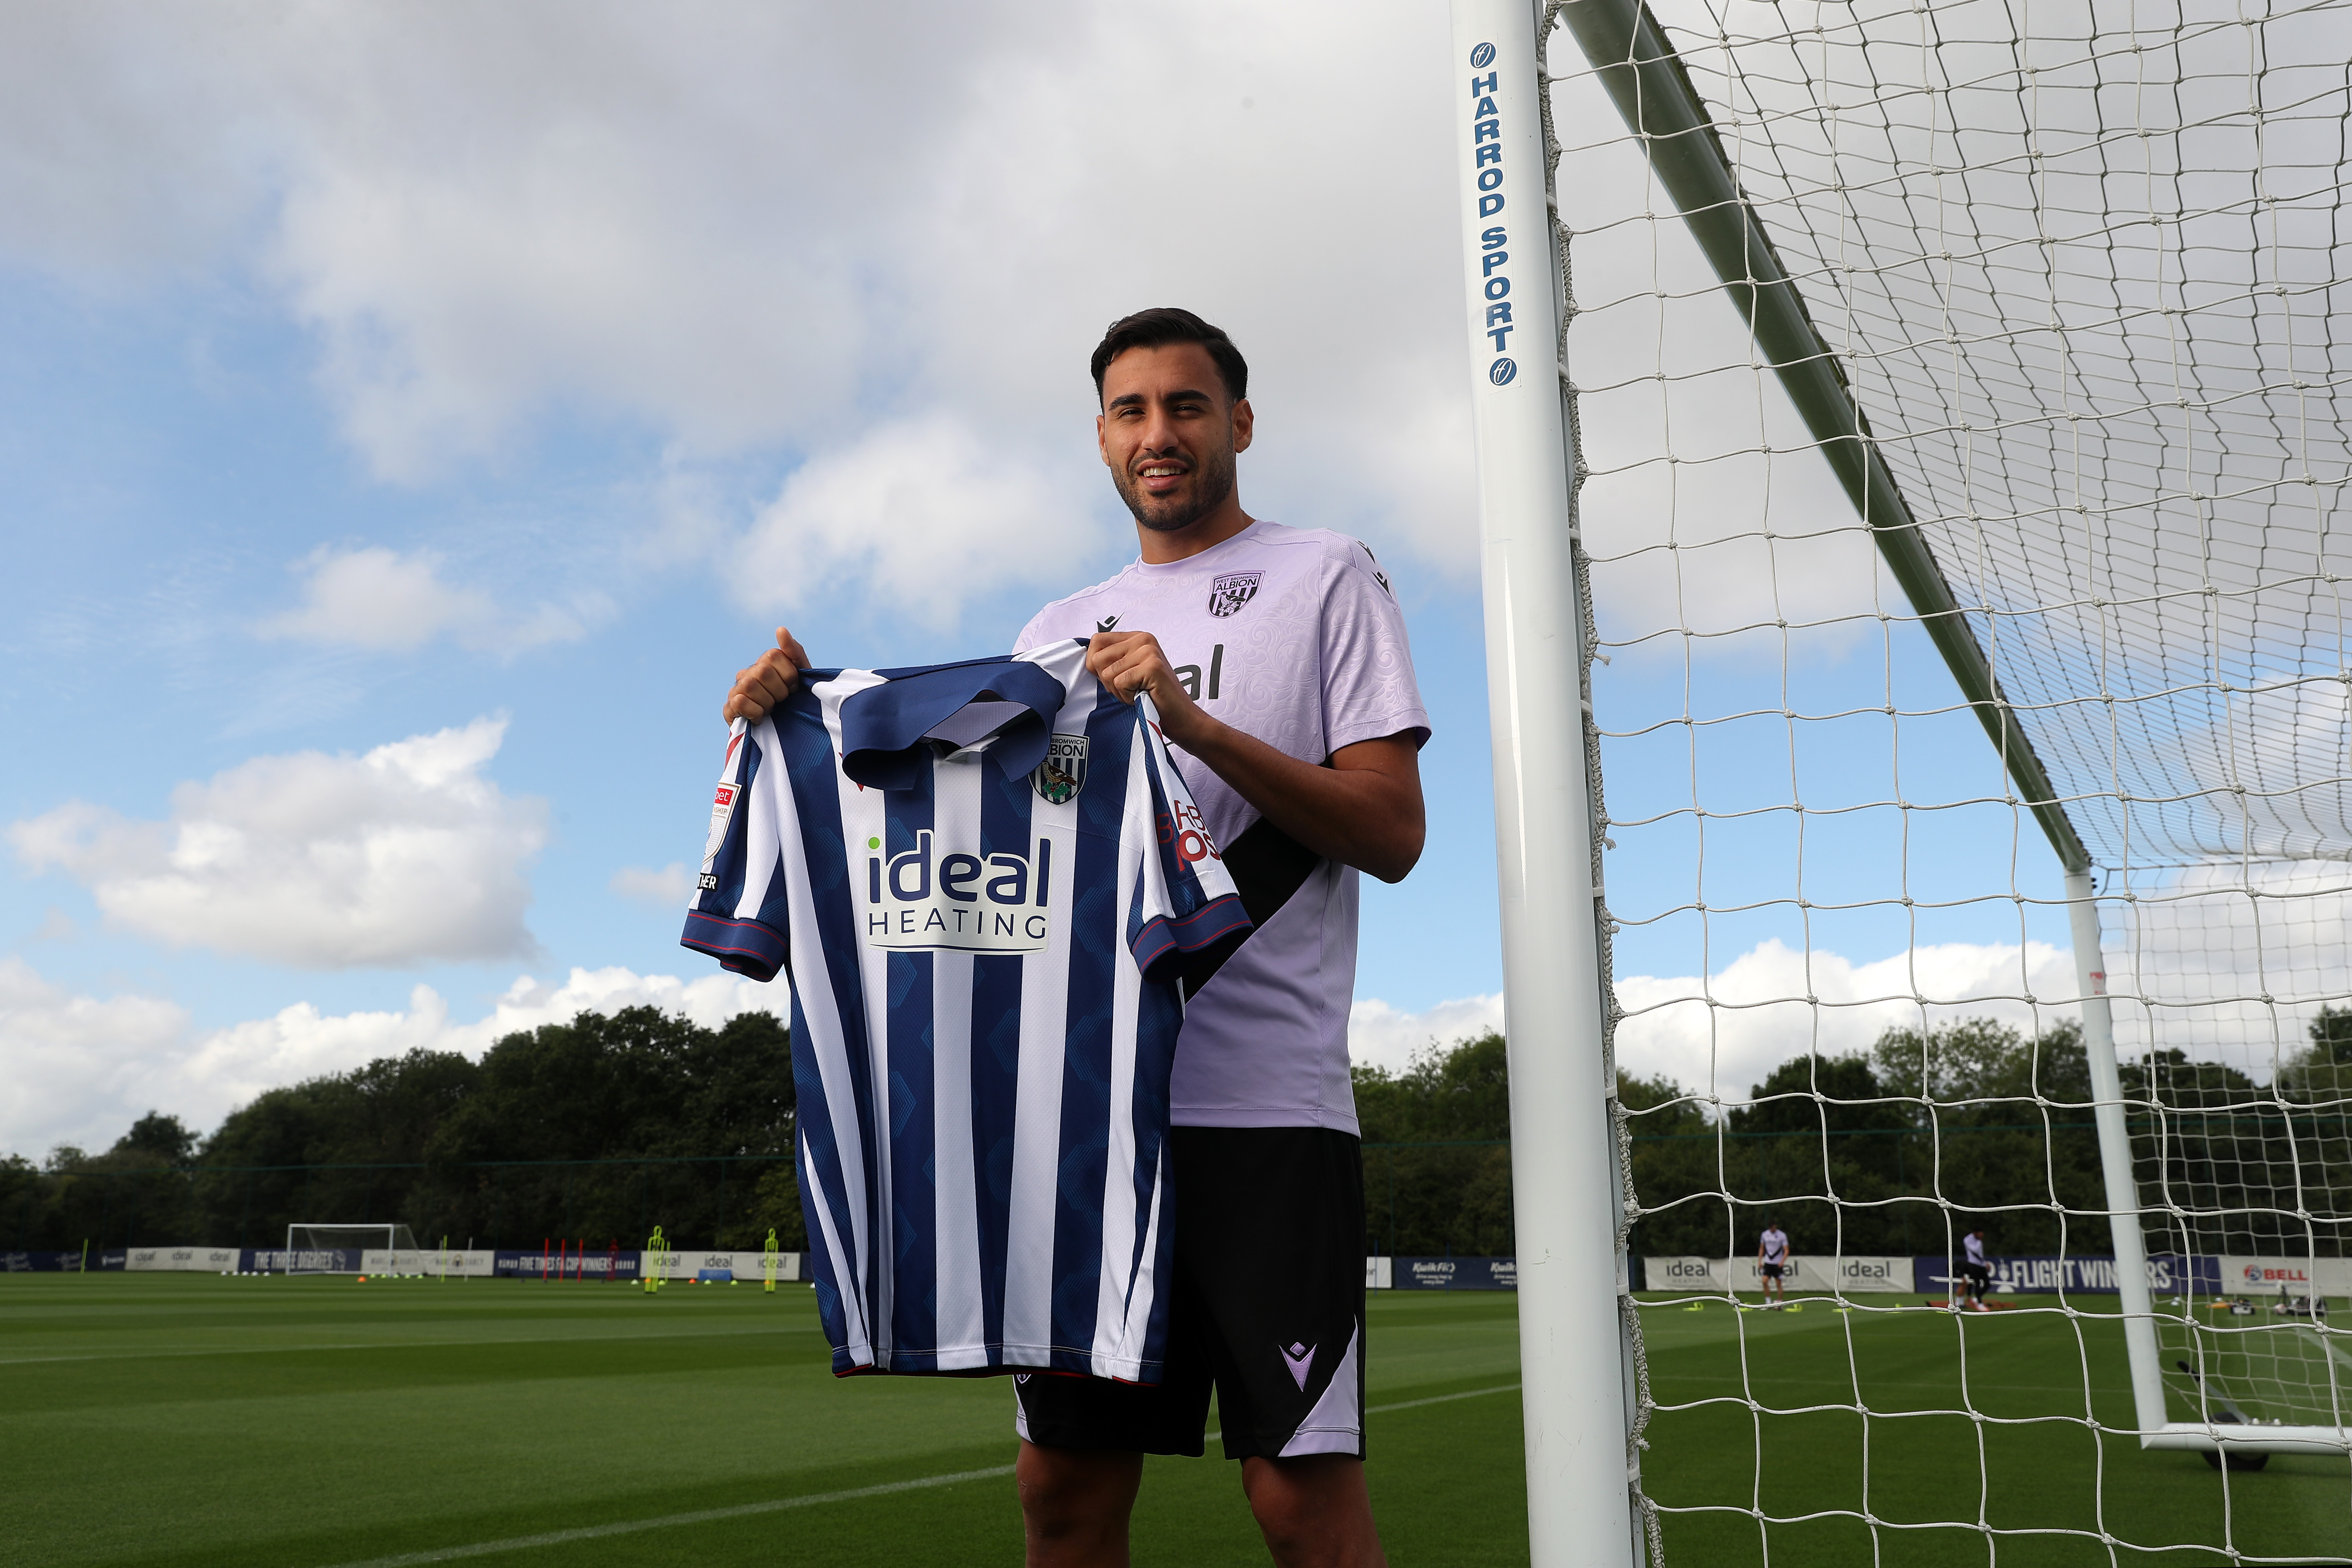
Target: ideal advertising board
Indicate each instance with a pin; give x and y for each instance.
(1856, 1274)
(1456, 1273)
(684, 1263)
(184, 1259)
(1380, 1273)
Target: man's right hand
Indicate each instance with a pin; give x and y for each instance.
(767, 681)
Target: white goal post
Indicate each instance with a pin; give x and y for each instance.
(345, 1249)
(1927, 375)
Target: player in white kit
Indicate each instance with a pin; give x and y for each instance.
(1277, 660)
(1772, 1263)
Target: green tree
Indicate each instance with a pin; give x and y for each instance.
(2322, 1072)
(2234, 1166)
(1437, 1162)
(2002, 1136)
(594, 1129)
(1677, 1172)
(776, 1206)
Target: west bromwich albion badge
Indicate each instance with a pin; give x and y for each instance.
(1063, 774)
(1229, 592)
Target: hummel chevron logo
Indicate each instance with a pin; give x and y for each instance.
(1109, 623)
(1300, 1360)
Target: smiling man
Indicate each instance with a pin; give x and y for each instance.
(1279, 662)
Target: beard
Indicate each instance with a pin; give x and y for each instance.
(1213, 483)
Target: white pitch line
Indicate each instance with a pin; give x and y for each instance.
(700, 1516)
(1442, 1398)
(748, 1510)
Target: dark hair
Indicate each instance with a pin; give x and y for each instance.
(1168, 324)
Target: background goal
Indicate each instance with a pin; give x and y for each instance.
(345, 1249)
(1955, 397)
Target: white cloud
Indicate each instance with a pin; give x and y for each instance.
(1708, 509)
(380, 599)
(1380, 1037)
(669, 888)
(406, 853)
(795, 228)
(68, 1054)
(924, 506)
(2228, 959)
(1761, 1017)
(81, 1069)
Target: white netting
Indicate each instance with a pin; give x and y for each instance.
(352, 1249)
(2086, 270)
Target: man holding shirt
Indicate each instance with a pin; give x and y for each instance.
(1277, 660)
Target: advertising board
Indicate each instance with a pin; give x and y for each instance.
(1456, 1273)
(1855, 1273)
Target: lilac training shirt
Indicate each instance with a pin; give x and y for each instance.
(1292, 635)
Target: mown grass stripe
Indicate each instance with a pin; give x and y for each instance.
(748, 1509)
(700, 1516)
(424, 1345)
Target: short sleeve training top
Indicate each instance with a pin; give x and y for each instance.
(1292, 635)
(1774, 1245)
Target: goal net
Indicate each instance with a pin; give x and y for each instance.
(355, 1249)
(1958, 397)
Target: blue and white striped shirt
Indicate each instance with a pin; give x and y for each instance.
(985, 880)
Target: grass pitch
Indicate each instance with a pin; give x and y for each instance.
(1770, 1453)
(304, 1423)
(152, 1420)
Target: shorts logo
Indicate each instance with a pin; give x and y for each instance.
(1063, 774)
(1300, 1360)
(1229, 592)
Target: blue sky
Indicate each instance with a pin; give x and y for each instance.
(409, 420)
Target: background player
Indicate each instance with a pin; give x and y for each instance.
(1772, 1262)
(1278, 663)
(1976, 1272)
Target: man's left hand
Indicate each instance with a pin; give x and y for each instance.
(1361, 805)
(1132, 662)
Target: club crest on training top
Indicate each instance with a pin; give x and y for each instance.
(1229, 592)
(1063, 774)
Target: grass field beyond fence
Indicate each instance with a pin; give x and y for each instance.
(312, 1423)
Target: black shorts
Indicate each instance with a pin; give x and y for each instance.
(1976, 1272)
(1269, 1308)
(1769, 1270)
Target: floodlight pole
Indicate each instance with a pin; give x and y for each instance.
(1573, 1358)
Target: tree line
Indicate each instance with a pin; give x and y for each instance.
(1904, 1148)
(593, 1131)
(1898, 1149)
(600, 1128)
